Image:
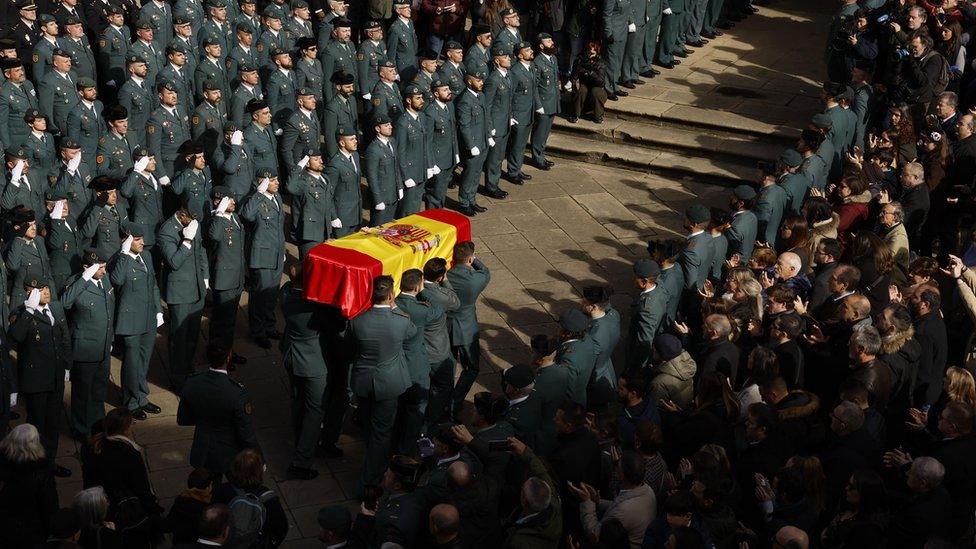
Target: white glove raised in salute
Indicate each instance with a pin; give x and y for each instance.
(190, 230)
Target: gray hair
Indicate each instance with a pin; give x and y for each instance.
(915, 169)
(91, 506)
(22, 444)
(850, 414)
(719, 324)
(950, 98)
(929, 470)
(920, 12)
(537, 495)
(898, 212)
(867, 338)
(793, 260)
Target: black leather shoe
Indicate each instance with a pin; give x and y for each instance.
(727, 25)
(627, 85)
(237, 359)
(542, 167)
(151, 408)
(262, 342)
(611, 97)
(683, 53)
(61, 472)
(598, 120)
(525, 177)
(698, 44)
(302, 473)
(650, 73)
(550, 163)
(466, 211)
(513, 179)
(752, 9)
(670, 65)
(676, 62)
(573, 119)
(639, 82)
(497, 194)
(139, 415)
(479, 208)
(330, 451)
(622, 93)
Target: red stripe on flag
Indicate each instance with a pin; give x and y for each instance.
(340, 277)
(460, 222)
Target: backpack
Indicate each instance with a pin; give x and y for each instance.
(248, 516)
(942, 81)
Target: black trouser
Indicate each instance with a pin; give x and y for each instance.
(43, 412)
(469, 356)
(410, 419)
(307, 395)
(376, 419)
(223, 316)
(441, 385)
(89, 389)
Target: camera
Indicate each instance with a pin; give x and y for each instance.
(846, 28)
(902, 53)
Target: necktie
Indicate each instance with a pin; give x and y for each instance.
(140, 261)
(50, 317)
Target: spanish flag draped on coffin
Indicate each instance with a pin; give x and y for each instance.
(341, 272)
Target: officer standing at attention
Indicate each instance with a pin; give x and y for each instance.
(243, 53)
(75, 43)
(498, 100)
(548, 103)
(39, 144)
(212, 68)
(248, 88)
(266, 217)
(413, 153)
(208, 120)
(669, 46)
(401, 44)
(177, 72)
(225, 249)
(299, 25)
(137, 98)
(113, 157)
(113, 48)
(220, 409)
(339, 54)
(443, 143)
(17, 97)
(646, 313)
(160, 16)
(146, 48)
(792, 181)
(313, 205)
(308, 70)
(262, 145)
(216, 29)
(138, 315)
(471, 113)
(185, 281)
(741, 234)
(304, 360)
(272, 39)
(476, 57)
(144, 195)
(344, 172)
(413, 403)
(40, 335)
(302, 130)
(341, 111)
(89, 302)
(524, 96)
(698, 253)
(192, 184)
(64, 243)
(508, 37)
(437, 291)
(616, 26)
(371, 52)
(184, 36)
(103, 223)
(380, 373)
(425, 76)
(383, 176)
(386, 99)
(280, 89)
(85, 122)
(44, 47)
(168, 128)
(469, 277)
(452, 71)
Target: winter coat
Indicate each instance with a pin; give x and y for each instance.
(674, 380)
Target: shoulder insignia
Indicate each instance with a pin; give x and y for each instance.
(377, 101)
(37, 58)
(150, 129)
(247, 407)
(259, 47)
(99, 159)
(195, 120)
(359, 56)
(101, 43)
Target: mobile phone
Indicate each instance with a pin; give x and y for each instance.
(426, 447)
(499, 445)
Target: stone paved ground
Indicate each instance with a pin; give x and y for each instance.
(575, 225)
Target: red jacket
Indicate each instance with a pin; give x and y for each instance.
(447, 23)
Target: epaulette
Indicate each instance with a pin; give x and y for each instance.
(401, 313)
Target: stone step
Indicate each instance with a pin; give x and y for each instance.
(740, 149)
(702, 169)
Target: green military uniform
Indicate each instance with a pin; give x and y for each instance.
(634, 48)
(85, 126)
(337, 56)
(304, 360)
(423, 80)
(617, 17)
(90, 306)
(742, 234)
(302, 131)
(380, 374)
(670, 26)
(159, 14)
(313, 208)
(214, 71)
(672, 280)
(41, 154)
(384, 180)
(168, 128)
(507, 37)
(240, 57)
(43, 58)
(113, 50)
(82, 56)
(524, 96)
(367, 64)
(25, 260)
(296, 28)
(43, 344)
(720, 250)
(309, 75)
(136, 319)
(58, 97)
(15, 101)
(262, 147)
(814, 168)
(185, 278)
(64, 245)
(603, 334)
(191, 10)
(471, 113)
(221, 34)
(28, 192)
(281, 93)
(385, 99)
(139, 102)
(413, 156)
(268, 43)
(145, 198)
(74, 187)
(400, 515)
(795, 184)
(193, 187)
(547, 99)
(401, 47)
(498, 101)
(238, 104)
(266, 219)
(771, 204)
(102, 224)
(413, 403)
(553, 387)
(579, 358)
(345, 174)
(443, 148)
(861, 107)
(468, 282)
(524, 413)
(652, 28)
(696, 259)
(339, 113)
(220, 408)
(236, 165)
(225, 249)
(182, 79)
(840, 130)
(647, 313)
(437, 342)
(155, 57)
(207, 127)
(476, 59)
(453, 75)
(114, 154)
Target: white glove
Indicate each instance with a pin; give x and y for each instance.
(159, 319)
(237, 138)
(380, 207)
(400, 193)
(33, 300)
(263, 187)
(493, 133)
(67, 376)
(58, 211)
(127, 244)
(17, 172)
(367, 96)
(74, 163)
(475, 151)
(336, 224)
(667, 11)
(541, 110)
(89, 272)
(397, 78)
(632, 28)
(13, 399)
(410, 183)
(141, 164)
(223, 204)
(164, 180)
(303, 162)
(206, 283)
(111, 83)
(457, 157)
(279, 131)
(190, 230)
(568, 87)
(512, 122)
(436, 170)
(430, 173)
(491, 141)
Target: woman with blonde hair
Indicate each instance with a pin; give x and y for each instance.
(959, 386)
(28, 496)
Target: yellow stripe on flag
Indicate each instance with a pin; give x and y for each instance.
(404, 244)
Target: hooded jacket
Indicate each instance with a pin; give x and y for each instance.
(798, 422)
(902, 353)
(674, 380)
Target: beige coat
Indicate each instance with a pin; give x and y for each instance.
(897, 240)
(635, 509)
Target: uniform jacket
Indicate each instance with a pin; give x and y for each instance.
(225, 247)
(136, 293)
(184, 267)
(145, 196)
(266, 217)
(220, 409)
(380, 369)
(468, 283)
(91, 317)
(345, 176)
(301, 345)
